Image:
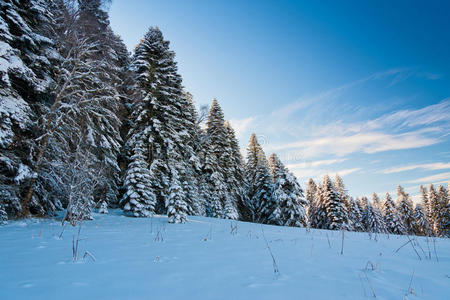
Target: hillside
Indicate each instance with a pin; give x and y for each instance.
(208, 258)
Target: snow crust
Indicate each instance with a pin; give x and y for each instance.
(143, 258)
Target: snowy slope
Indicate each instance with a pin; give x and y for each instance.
(203, 260)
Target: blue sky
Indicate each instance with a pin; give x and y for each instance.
(350, 87)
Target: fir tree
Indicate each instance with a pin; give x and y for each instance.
(176, 207)
(251, 165)
(443, 215)
(26, 80)
(376, 202)
(405, 209)
(343, 195)
(320, 219)
(141, 199)
(420, 225)
(334, 206)
(261, 203)
(392, 219)
(311, 190)
(160, 129)
(288, 196)
(224, 167)
(237, 180)
(191, 171)
(263, 200)
(425, 202)
(374, 220)
(356, 215)
(433, 203)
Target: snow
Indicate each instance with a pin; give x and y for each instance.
(12, 111)
(24, 173)
(142, 258)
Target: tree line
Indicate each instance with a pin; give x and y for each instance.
(85, 124)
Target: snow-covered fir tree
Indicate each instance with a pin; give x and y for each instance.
(420, 222)
(376, 202)
(343, 194)
(374, 220)
(223, 185)
(433, 208)
(191, 171)
(320, 216)
(393, 221)
(334, 206)
(141, 199)
(176, 205)
(26, 78)
(443, 215)
(288, 196)
(425, 202)
(356, 214)
(253, 149)
(261, 203)
(160, 129)
(237, 183)
(405, 209)
(311, 189)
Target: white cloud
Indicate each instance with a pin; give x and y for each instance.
(306, 101)
(319, 173)
(431, 166)
(435, 179)
(317, 163)
(368, 142)
(428, 115)
(241, 126)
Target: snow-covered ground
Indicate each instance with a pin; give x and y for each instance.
(207, 259)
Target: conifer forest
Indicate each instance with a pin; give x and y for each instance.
(90, 130)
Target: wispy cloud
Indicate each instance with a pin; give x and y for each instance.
(322, 133)
(367, 142)
(317, 174)
(330, 94)
(313, 164)
(241, 126)
(428, 115)
(430, 166)
(437, 178)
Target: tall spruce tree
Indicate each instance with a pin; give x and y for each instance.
(356, 215)
(443, 214)
(191, 171)
(334, 206)
(405, 209)
(393, 221)
(343, 194)
(288, 196)
(376, 202)
(159, 125)
(236, 179)
(374, 220)
(176, 205)
(260, 194)
(433, 207)
(420, 225)
(26, 79)
(224, 197)
(311, 189)
(320, 216)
